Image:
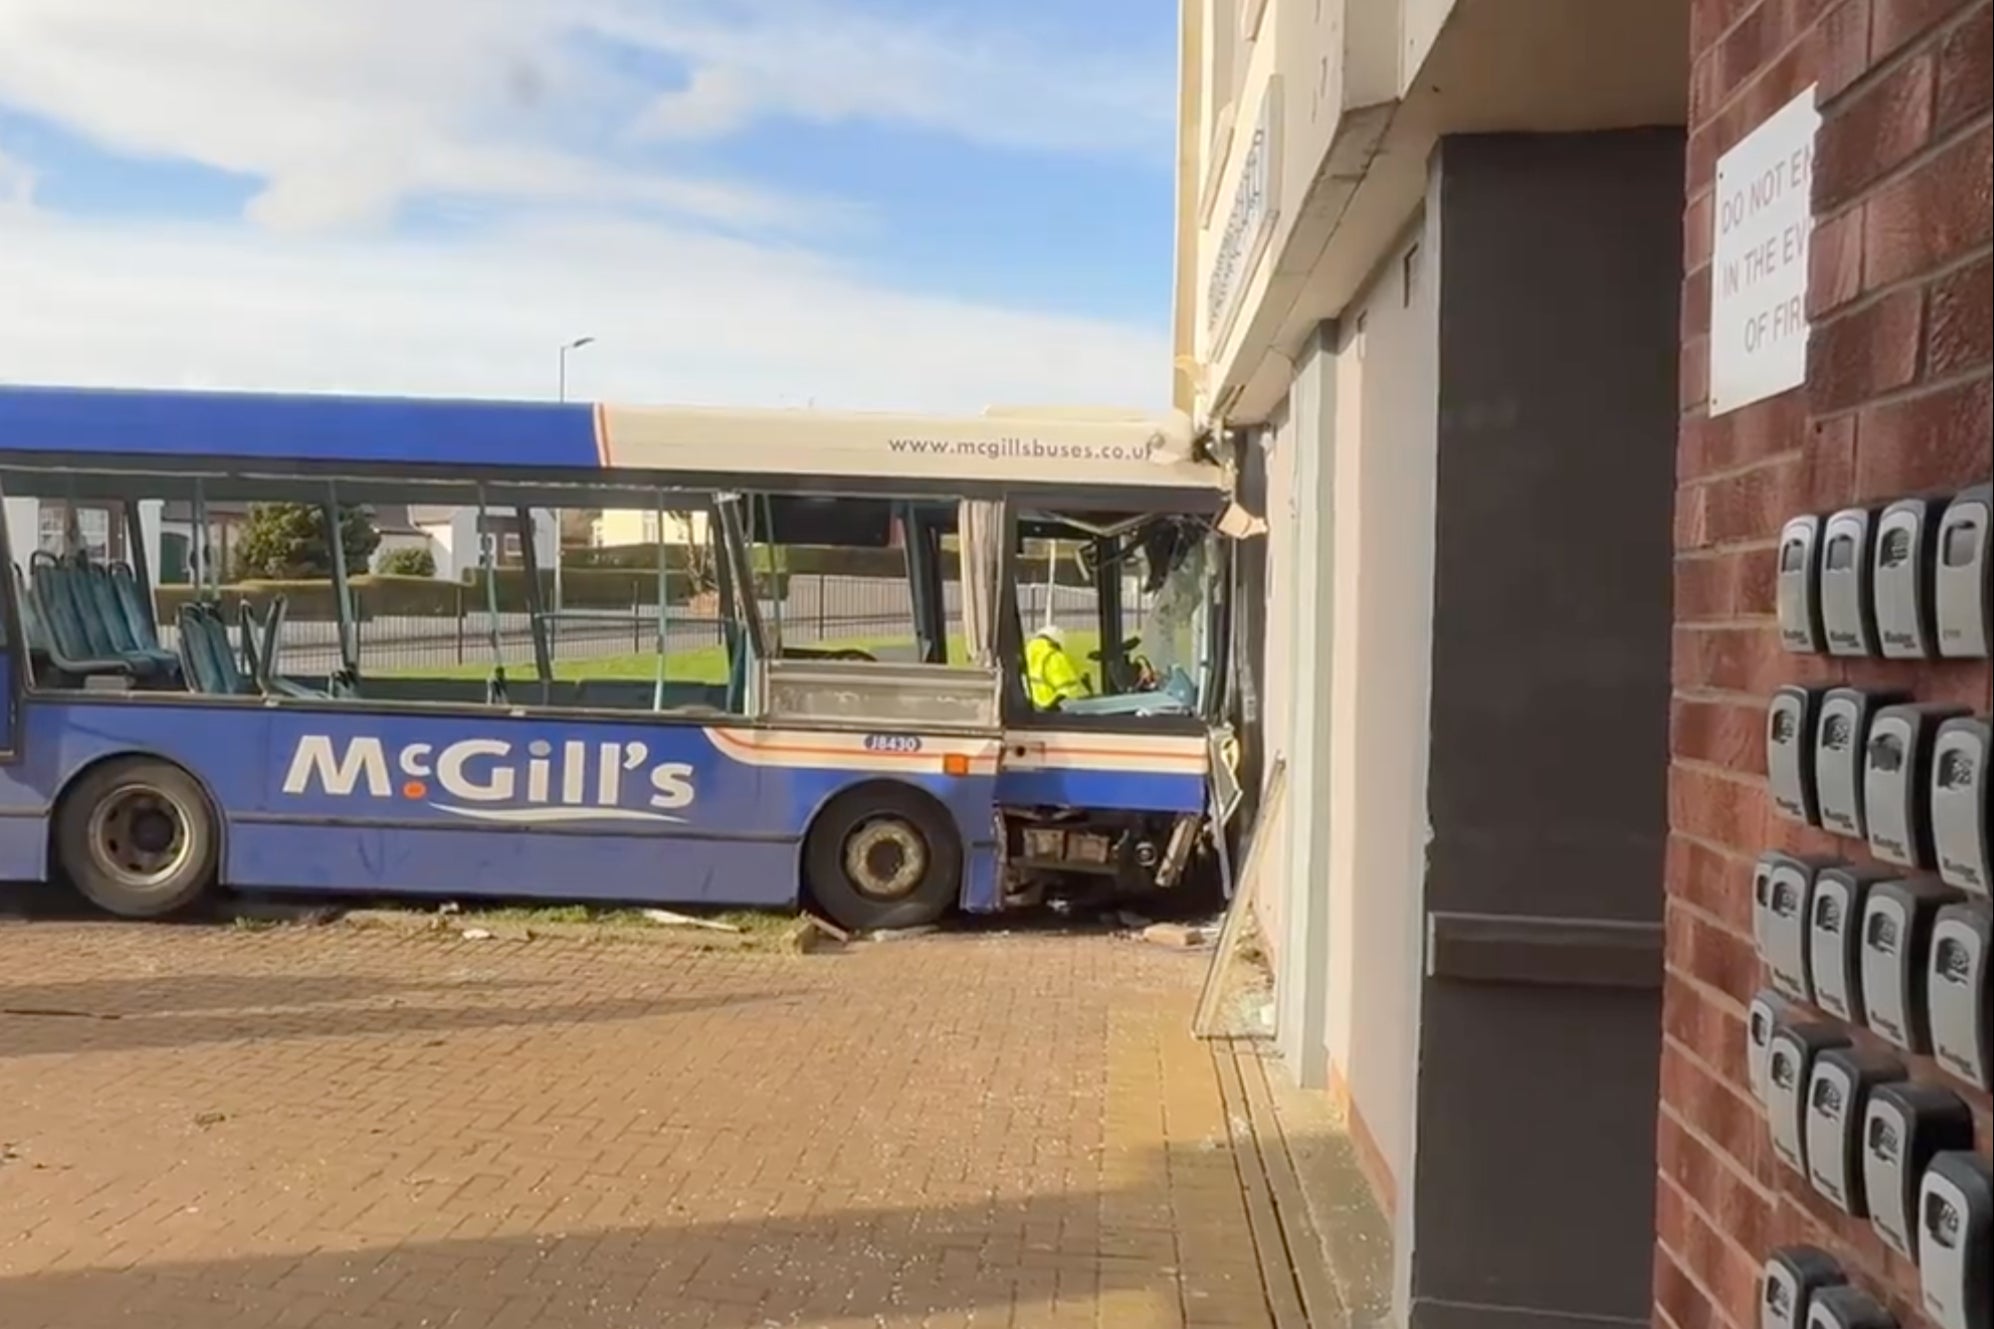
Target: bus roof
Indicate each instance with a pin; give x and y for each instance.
(186, 432)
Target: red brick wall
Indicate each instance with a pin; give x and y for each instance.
(1896, 403)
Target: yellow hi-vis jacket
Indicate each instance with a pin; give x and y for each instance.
(1051, 675)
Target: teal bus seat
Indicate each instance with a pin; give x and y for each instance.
(114, 624)
(261, 640)
(72, 648)
(138, 612)
(32, 626)
(207, 657)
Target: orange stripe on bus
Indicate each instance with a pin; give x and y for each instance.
(812, 750)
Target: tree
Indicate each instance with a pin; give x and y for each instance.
(286, 542)
(408, 561)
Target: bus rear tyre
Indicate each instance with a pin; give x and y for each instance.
(882, 856)
(137, 838)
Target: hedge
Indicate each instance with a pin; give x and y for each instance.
(614, 577)
(813, 560)
(376, 596)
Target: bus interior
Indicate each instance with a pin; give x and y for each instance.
(742, 615)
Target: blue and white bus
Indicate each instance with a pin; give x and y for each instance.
(148, 756)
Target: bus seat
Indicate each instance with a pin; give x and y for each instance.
(197, 666)
(58, 607)
(115, 627)
(260, 643)
(207, 656)
(139, 615)
(32, 626)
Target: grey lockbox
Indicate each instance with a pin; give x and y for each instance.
(1831, 1129)
(1834, 937)
(1790, 729)
(1897, 921)
(1958, 802)
(1959, 995)
(1793, 1278)
(1768, 866)
(1767, 1012)
(1789, 1080)
(1905, 1126)
(1848, 612)
(1906, 546)
(1956, 1241)
(1897, 781)
(1963, 576)
(1800, 586)
(1761, 898)
(1789, 897)
(1847, 1308)
(1841, 737)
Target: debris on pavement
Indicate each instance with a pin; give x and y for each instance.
(828, 928)
(249, 909)
(673, 919)
(1176, 936)
(809, 933)
(901, 934)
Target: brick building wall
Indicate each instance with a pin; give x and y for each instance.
(1896, 403)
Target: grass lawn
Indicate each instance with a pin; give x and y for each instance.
(708, 664)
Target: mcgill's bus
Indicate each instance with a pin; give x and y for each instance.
(158, 740)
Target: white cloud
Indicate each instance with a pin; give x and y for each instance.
(17, 183)
(680, 317)
(342, 111)
(823, 61)
(339, 114)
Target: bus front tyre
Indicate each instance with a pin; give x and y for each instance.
(883, 856)
(137, 838)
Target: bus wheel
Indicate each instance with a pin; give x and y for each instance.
(137, 838)
(882, 856)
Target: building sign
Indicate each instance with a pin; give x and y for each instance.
(1249, 223)
(1758, 276)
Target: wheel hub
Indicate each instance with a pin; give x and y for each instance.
(886, 859)
(139, 835)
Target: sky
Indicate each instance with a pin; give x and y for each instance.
(935, 205)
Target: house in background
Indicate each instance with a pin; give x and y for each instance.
(175, 563)
(579, 527)
(398, 531)
(639, 526)
(34, 524)
(453, 535)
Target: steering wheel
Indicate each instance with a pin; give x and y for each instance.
(1133, 672)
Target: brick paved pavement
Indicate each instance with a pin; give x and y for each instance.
(349, 1129)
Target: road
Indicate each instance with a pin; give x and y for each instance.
(212, 1127)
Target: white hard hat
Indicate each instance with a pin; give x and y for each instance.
(1052, 633)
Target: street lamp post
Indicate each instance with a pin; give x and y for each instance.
(561, 394)
(575, 345)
